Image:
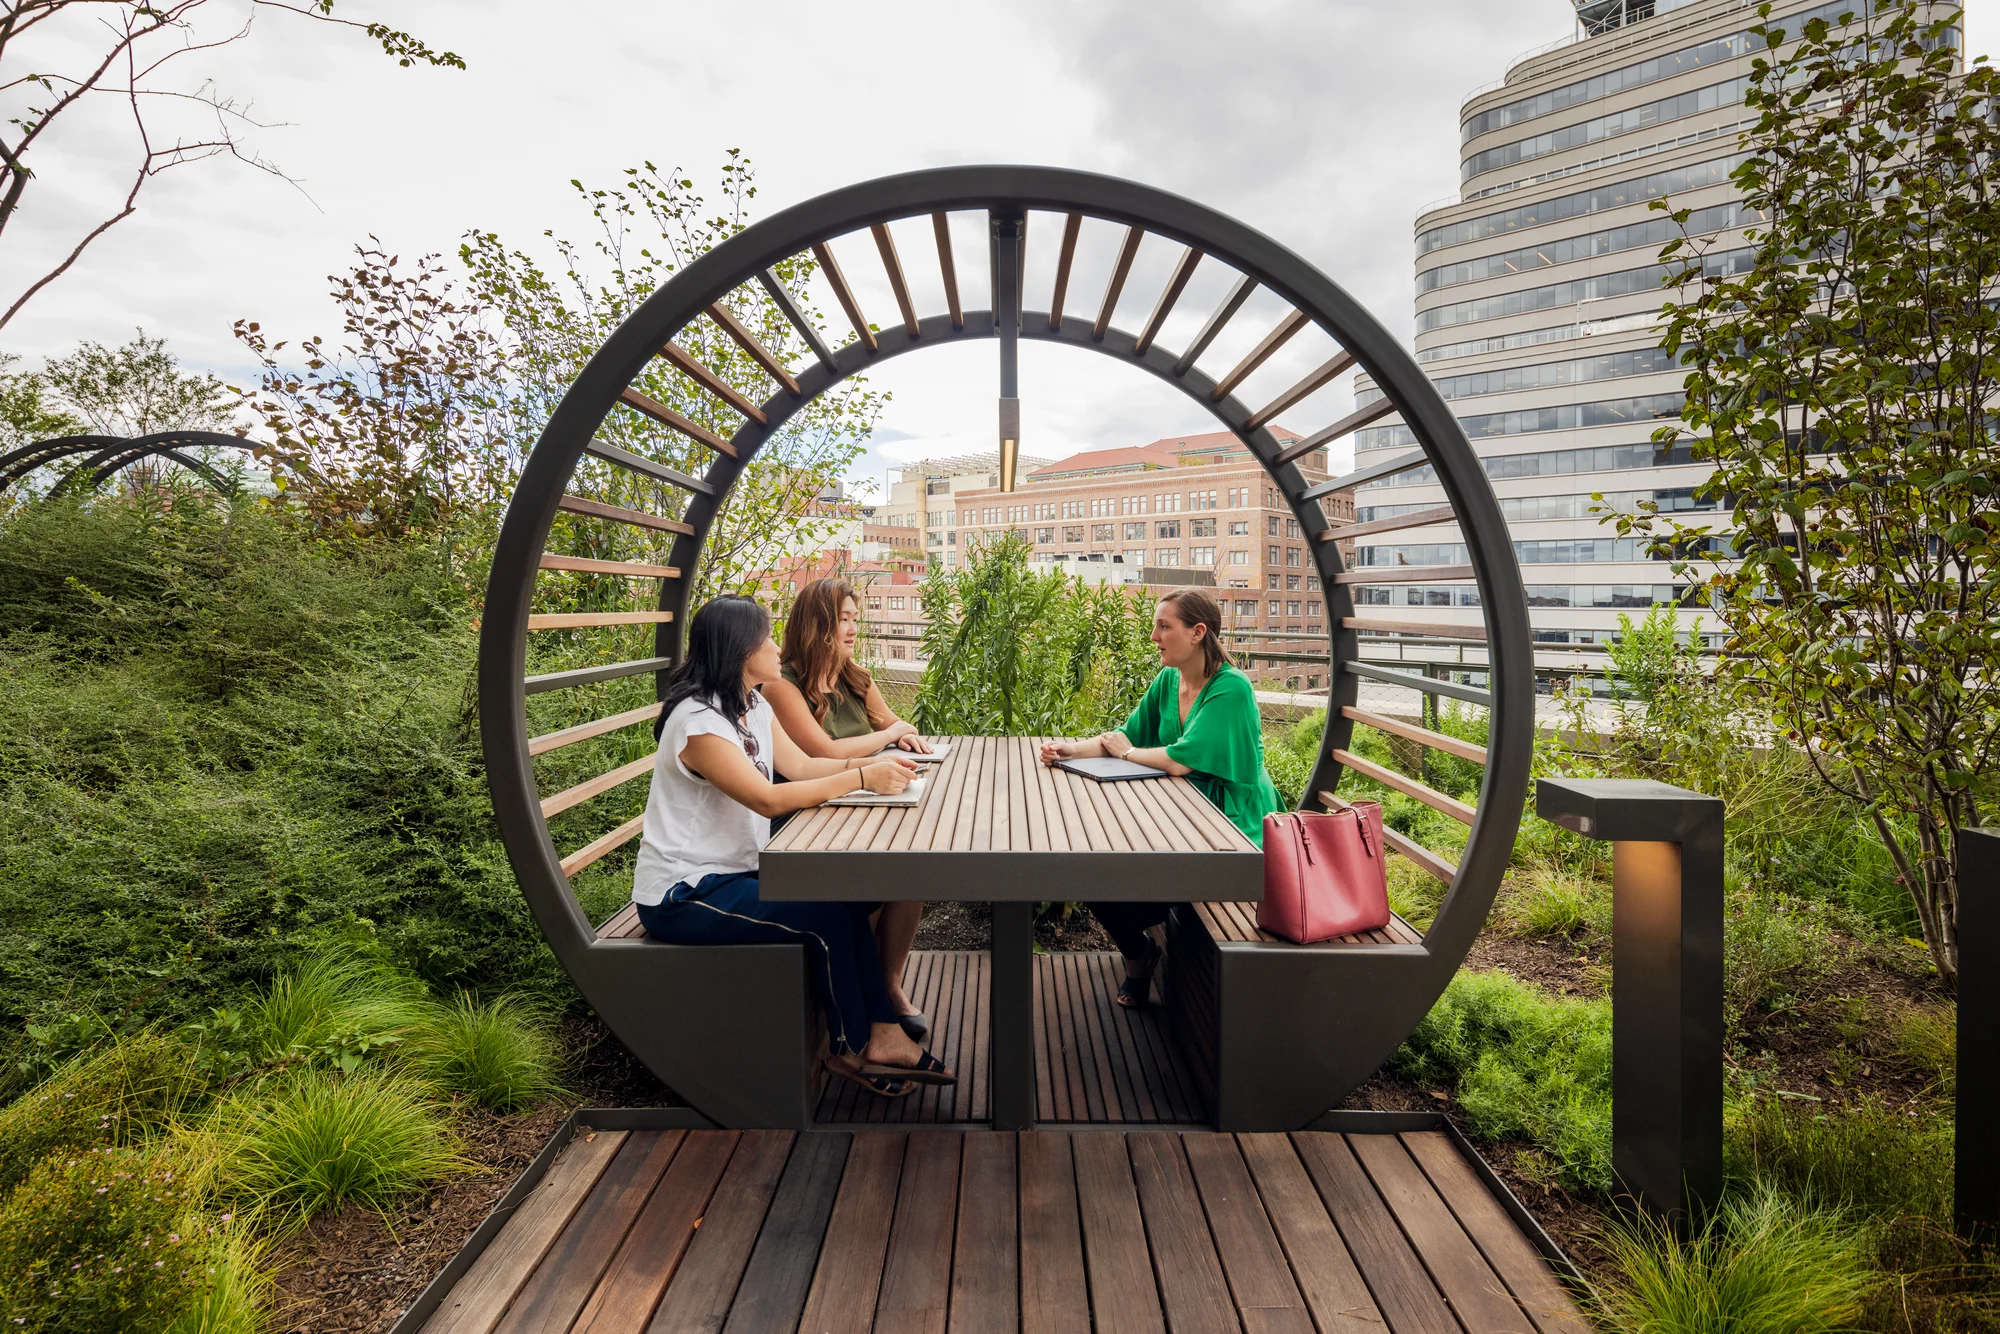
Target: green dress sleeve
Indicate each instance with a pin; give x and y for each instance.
(1145, 726)
(1224, 744)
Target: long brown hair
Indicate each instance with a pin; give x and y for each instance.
(1194, 607)
(812, 646)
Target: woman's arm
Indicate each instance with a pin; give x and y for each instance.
(724, 764)
(1073, 750)
(799, 725)
(1153, 757)
(880, 715)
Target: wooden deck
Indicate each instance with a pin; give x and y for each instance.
(1045, 1232)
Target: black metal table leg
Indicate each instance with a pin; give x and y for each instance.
(1012, 1016)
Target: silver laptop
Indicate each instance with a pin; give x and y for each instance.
(1104, 769)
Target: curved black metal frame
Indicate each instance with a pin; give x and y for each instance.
(1383, 990)
(111, 454)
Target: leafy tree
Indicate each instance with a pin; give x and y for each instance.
(1844, 389)
(28, 411)
(138, 389)
(1013, 652)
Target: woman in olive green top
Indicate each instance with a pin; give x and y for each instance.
(830, 707)
(1197, 720)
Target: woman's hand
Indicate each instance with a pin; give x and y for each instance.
(1114, 744)
(1057, 750)
(889, 777)
(905, 735)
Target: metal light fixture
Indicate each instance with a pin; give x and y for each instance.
(1666, 981)
(1007, 255)
(1010, 440)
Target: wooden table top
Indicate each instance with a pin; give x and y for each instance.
(995, 823)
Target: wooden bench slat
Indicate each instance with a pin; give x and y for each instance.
(1450, 745)
(1409, 787)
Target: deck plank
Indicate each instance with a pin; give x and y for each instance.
(1408, 1300)
(775, 1282)
(482, 1294)
(630, 1290)
(569, 1273)
(1123, 1295)
(849, 1273)
(1510, 1253)
(1268, 1300)
(698, 1300)
(916, 1274)
(1052, 1275)
(1475, 1292)
(985, 1272)
(1333, 1288)
(1192, 1287)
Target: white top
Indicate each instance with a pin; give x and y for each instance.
(692, 828)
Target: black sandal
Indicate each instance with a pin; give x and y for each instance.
(928, 1070)
(880, 1086)
(1136, 993)
(914, 1026)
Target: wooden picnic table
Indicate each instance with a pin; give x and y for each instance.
(996, 825)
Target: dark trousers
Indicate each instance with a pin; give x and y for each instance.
(1128, 923)
(841, 960)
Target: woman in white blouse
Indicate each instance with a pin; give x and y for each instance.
(708, 817)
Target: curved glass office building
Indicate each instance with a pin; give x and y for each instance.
(1538, 296)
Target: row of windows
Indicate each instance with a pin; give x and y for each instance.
(1547, 375)
(1693, 102)
(1711, 52)
(1557, 551)
(1581, 505)
(1594, 200)
(1170, 502)
(1715, 264)
(1557, 462)
(1539, 595)
(1524, 421)
(1555, 333)
(1648, 235)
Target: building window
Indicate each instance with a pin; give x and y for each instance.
(1291, 609)
(1245, 608)
(1239, 528)
(1271, 581)
(1135, 555)
(1201, 555)
(1239, 557)
(1293, 556)
(1312, 582)
(1132, 505)
(1291, 583)
(1073, 534)
(895, 604)
(1102, 532)
(1169, 503)
(1272, 556)
(1291, 528)
(1168, 528)
(1167, 556)
(1312, 607)
(1201, 528)
(874, 604)
(1271, 525)
(1201, 500)
(1135, 532)
(1045, 535)
(1275, 609)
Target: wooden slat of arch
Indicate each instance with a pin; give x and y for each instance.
(1433, 629)
(1451, 745)
(1326, 373)
(584, 676)
(582, 792)
(1119, 272)
(1402, 844)
(681, 358)
(569, 736)
(1405, 574)
(1293, 321)
(941, 226)
(599, 848)
(1415, 519)
(746, 340)
(1064, 258)
(597, 509)
(578, 620)
(1347, 425)
(1183, 270)
(634, 569)
(830, 269)
(1415, 458)
(659, 472)
(796, 317)
(1231, 303)
(1409, 787)
(1389, 675)
(886, 244)
(667, 417)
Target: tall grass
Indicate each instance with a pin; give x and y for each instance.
(1761, 1264)
(501, 1054)
(1867, 1157)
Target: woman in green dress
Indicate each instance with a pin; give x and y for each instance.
(832, 709)
(1199, 720)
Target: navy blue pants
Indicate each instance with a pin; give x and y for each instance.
(841, 960)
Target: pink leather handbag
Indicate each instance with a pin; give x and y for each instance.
(1324, 875)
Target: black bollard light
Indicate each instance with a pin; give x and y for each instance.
(1976, 1188)
(1666, 981)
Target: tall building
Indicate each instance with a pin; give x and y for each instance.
(1538, 296)
(921, 498)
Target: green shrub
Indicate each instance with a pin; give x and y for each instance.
(1762, 1264)
(101, 1239)
(232, 1291)
(1548, 901)
(1771, 947)
(1866, 1157)
(335, 1006)
(1525, 1065)
(315, 1140)
(1925, 1042)
(502, 1055)
(128, 1088)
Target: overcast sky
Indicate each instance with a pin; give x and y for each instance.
(1328, 124)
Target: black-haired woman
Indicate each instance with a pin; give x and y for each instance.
(708, 817)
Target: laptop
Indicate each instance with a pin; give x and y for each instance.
(1104, 769)
(909, 796)
(939, 749)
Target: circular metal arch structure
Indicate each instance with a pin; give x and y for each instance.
(1381, 990)
(111, 454)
